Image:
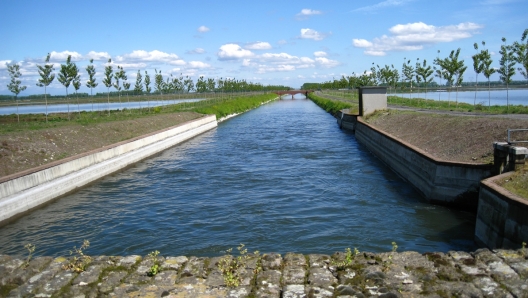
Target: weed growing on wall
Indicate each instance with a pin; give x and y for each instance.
(349, 257)
(80, 260)
(31, 249)
(233, 267)
(155, 268)
(388, 263)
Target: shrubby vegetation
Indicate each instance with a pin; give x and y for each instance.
(331, 106)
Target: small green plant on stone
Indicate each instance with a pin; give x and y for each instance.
(349, 257)
(30, 248)
(388, 263)
(231, 266)
(523, 249)
(156, 268)
(80, 260)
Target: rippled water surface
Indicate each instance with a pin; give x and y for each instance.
(280, 178)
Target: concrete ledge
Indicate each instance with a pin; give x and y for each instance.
(502, 217)
(29, 189)
(443, 182)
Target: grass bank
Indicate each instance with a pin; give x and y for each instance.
(517, 183)
(234, 106)
(34, 142)
(453, 106)
(220, 106)
(332, 106)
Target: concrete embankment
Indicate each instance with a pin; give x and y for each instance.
(484, 273)
(439, 181)
(29, 189)
(502, 217)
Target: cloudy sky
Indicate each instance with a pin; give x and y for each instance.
(271, 42)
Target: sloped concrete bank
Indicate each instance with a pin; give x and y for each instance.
(442, 182)
(29, 189)
(483, 273)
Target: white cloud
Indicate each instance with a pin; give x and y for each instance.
(326, 63)
(306, 12)
(233, 51)
(3, 64)
(203, 29)
(277, 68)
(196, 51)
(309, 12)
(198, 64)
(361, 43)
(320, 54)
(308, 33)
(383, 4)
(282, 41)
(152, 56)
(62, 56)
(97, 55)
(259, 45)
(415, 36)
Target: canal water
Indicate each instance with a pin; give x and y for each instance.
(485, 98)
(280, 178)
(72, 107)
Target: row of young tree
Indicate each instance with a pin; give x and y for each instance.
(69, 75)
(451, 69)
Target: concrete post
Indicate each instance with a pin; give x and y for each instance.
(372, 99)
(507, 158)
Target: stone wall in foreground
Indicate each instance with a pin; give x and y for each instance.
(29, 189)
(502, 273)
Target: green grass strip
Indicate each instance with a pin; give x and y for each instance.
(331, 106)
(453, 106)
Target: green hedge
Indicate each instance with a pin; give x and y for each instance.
(235, 105)
(331, 106)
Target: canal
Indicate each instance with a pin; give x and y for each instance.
(280, 178)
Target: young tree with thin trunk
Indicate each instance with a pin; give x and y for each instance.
(126, 85)
(107, 81)
(521, 55)
(118, 76)
(425, 73)
(189, 84)
(158, 82)
(46, 77)
(487, 70)
(453, 70)
(76, 82)
(90, 69)
(147, 88)
(138, 87)
(408, 73)
(478, 68)
(15, 85)
(65, 78)
(507, 67)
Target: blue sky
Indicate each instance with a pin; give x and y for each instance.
(271, 42)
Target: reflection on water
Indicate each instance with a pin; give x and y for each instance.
(495, 97)
(280, 178)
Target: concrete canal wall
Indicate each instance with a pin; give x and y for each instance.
(502, 217)
(29, 189)
(441, 182)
